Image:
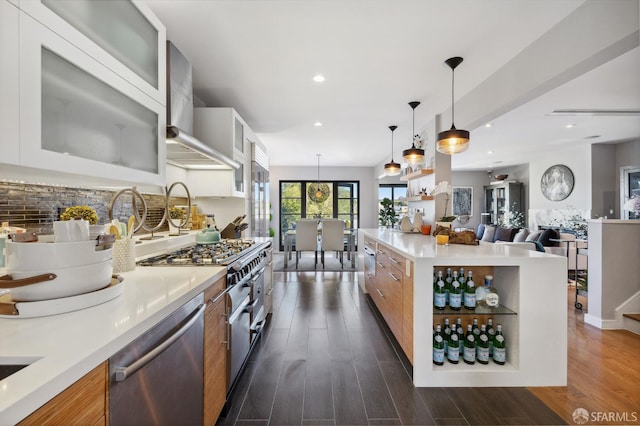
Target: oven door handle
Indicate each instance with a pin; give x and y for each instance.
(257, 275)
(121, 373)
(251, 306)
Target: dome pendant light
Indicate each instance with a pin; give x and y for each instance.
(392, 168)
(453, 141)
(413, 155)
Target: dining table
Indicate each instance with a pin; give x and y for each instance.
(289, 237)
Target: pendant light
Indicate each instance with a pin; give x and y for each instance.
(453, 141)
(318, 192)
(413, 155)
(392, 168)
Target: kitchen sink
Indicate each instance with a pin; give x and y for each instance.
(10, 364)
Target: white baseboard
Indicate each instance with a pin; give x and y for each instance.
(632, 325)
(602, 323)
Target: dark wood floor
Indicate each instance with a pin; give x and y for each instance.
(325, 359)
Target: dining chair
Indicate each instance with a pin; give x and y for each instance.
(332, 239)
(306, 238)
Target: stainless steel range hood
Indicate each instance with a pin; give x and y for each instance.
(183, 149)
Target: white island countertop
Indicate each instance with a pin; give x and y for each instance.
(62, 348)
(415, 245)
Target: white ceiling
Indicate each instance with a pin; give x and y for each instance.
(259, 56)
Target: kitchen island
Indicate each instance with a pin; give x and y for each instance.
(61, 349)
(533, 311)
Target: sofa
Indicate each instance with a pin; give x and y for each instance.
(540, 239)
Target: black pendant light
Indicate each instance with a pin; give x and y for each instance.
(413, 155)
(453, 141)
(392, 168)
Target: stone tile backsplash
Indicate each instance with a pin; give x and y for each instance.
(36, 207)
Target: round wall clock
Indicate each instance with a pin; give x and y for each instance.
(557, 182)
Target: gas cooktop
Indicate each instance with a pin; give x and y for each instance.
(221, 253)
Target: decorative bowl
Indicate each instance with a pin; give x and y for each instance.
(500, 177)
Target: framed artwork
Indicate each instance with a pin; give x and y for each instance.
(462, 200)
(557, 182)
(629, 187)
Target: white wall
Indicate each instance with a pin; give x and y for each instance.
(604, 189)
(578, 159)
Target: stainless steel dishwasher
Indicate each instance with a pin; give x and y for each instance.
(158, 378)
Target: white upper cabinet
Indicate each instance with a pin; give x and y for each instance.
(222, 129)
(9, 78)
(83, 90)
(124, 36)
(225, 131)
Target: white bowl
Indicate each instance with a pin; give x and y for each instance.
(68, 282)
(43, 255)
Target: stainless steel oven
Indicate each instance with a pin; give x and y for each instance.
(245, 261)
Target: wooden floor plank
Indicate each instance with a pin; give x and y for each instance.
(288, 402)
(405, 396)
(347, 397)
(603, 369)
(377, 399)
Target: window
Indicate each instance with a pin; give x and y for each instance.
(396, 192)
(339, 199)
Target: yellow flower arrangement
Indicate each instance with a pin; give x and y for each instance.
(83, 212)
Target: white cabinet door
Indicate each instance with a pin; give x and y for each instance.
(9, 78)
(77, 116)
(124, 36)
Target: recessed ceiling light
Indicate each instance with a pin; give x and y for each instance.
(317, 124)
(592, 137)
(489, 152)
(570, 126)
(488, 125)
(318, 78)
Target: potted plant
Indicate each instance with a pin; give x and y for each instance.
(82, 212)
(387, 215)
(444, 188)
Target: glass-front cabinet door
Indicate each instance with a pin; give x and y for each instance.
(125, 36)
(78, 116)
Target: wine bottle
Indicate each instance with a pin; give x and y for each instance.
(455, 293)
(462, 280)
(438, 347)
(453, 352)
(469, 355)
(460, 335)
(439, 294)
(470, 293)
(482, 347)
(491, 332)
(499, 347)
(445, 334)
(448, 279)
(476, 328)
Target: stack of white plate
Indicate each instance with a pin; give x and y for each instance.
(80, 267)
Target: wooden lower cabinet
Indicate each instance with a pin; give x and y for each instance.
(215, 352)
(407, 313)
(83, 403)
(391, 289)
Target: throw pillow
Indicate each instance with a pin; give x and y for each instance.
(533, 236)
(489, 232)
(480, 231)
(521, 236)
(546, 235)
(504, 234)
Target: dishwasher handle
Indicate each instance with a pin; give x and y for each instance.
(121, 373)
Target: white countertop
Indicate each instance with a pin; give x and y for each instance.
(414, 245)
(63, 348)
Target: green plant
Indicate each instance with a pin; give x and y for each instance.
(176, 213)
(387, 215)
(82, 212)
